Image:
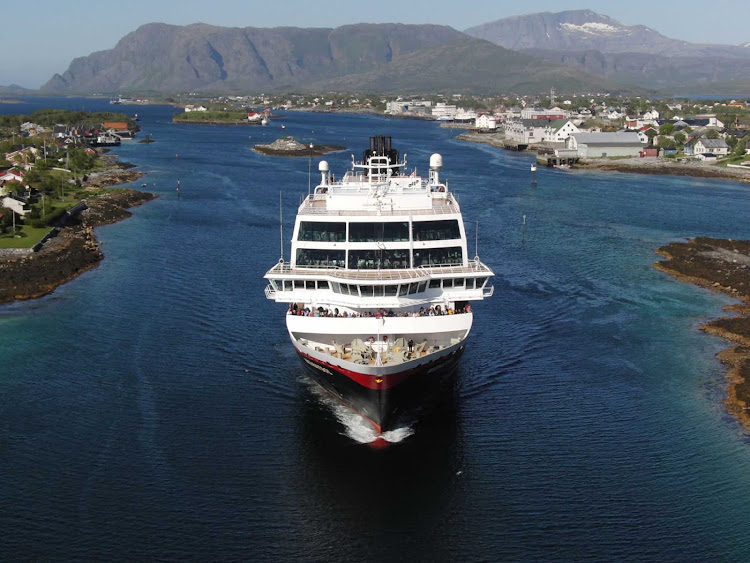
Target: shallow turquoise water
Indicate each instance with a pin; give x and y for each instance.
(154, 407)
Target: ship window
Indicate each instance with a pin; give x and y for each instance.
(322, 284)
(299, 284)
(422, 287)
(335, 287)
(436, 230)
(435, 283)
(367, 290)
(438, 256)
(391, 290)
(447, 283)
(379, 232)
(403, 289)
(353, 290)
(322, 232)
(458, 283)
(413, 287)
(319, 258)
(288, 285)
(470, 283)
(310, 284)
(378, 259)
(378, 290)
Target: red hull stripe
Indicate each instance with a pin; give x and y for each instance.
(376, 381)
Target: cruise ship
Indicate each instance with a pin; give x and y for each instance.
(379, 283)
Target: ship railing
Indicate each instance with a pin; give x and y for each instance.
(421, 272)
(317, 205)
(488, 291)
(270, 292)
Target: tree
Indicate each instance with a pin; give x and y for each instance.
(6, 219)
(666, 129)
(680, 138)
(740, 147)
(651, 133)
(15, 188)
(712, 134)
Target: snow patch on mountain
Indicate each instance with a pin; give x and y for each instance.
(745, 45)
(594, 28)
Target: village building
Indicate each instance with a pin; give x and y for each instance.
(601, 145)
(487, 122)
(717, 147)
(559, 130)
(444, 112)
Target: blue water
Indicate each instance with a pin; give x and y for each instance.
(154, 407)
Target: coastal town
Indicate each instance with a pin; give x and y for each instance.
(623, 133)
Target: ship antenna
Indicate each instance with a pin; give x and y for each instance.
(476, 242)
(281, 228)
(309, 171)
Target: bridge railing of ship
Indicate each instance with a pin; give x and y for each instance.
(475, 266)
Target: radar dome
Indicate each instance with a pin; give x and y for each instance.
(323, 166)
(436, 162)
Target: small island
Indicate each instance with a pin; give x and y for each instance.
(721, 265)
(287, 146)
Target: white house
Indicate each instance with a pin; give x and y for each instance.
(716, 147)
(486, 122)
(600, 145)
(643, 134)
(559, 130)
(651, 115)
(192, 107)
(527, 131)
(18, 206)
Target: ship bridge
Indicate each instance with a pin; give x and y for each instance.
(381, 185)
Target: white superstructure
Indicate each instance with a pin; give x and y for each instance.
(379, 258)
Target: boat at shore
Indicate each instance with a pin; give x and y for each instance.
(379, 283)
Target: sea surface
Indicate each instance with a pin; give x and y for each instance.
(154, 407)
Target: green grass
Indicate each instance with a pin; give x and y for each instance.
(29, 237)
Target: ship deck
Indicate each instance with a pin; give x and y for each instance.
(374, 353)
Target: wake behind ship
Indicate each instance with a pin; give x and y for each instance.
(379, 283)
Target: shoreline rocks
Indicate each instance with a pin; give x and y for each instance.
(723, 266)
(72, 252)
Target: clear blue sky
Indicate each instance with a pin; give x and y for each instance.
(42, 37)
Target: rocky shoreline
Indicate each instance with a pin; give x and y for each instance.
(652, 165)
(724, 266)
(72, 252)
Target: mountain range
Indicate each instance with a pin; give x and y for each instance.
(574, 51)
(635, 55)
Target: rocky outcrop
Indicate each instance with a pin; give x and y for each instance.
(721, 265)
